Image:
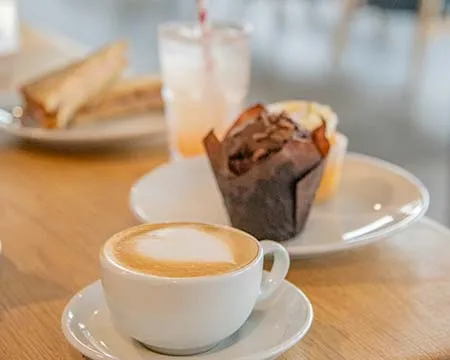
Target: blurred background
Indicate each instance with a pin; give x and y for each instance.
(381, 64)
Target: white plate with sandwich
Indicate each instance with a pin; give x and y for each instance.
(87, 102)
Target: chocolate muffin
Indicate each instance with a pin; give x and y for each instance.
(268, 169)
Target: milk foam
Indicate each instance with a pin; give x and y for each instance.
(183, 244)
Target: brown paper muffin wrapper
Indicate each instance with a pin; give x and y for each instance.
(273, 199)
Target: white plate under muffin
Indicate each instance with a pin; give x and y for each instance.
(375, 200)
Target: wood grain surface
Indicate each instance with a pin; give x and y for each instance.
(386, 301)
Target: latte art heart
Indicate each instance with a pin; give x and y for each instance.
(184, 244)
(182, 249)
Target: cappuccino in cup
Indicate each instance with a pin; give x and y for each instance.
(180, 288)
(182, 250)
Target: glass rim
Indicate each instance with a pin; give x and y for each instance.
(244, 28)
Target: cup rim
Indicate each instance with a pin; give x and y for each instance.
(107, 261)
(244, 27)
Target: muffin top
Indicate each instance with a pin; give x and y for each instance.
(258, 134)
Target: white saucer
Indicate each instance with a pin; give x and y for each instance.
(268, 332)
(376, 199)
(99, 133)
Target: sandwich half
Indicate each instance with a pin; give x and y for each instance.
(127, 97)
(54, 99)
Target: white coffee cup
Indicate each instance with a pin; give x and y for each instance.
(188, 315)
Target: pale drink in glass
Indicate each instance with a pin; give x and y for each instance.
(205, 80)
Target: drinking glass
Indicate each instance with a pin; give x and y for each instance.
(205, 80)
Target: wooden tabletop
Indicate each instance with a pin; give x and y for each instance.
(385, 301)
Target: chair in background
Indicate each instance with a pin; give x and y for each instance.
(432, 18)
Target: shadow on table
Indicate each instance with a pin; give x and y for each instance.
(377, 263)
(138, 148)
(18, 288)
(439, 356)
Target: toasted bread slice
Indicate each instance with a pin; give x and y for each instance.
(62, 93)
(127, 97)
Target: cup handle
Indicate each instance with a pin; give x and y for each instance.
(272, 281)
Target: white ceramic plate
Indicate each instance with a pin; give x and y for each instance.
(376, 199)
(268, 332)
(102, 132)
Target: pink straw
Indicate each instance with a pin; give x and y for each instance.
(204, 26)
(202, 14)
